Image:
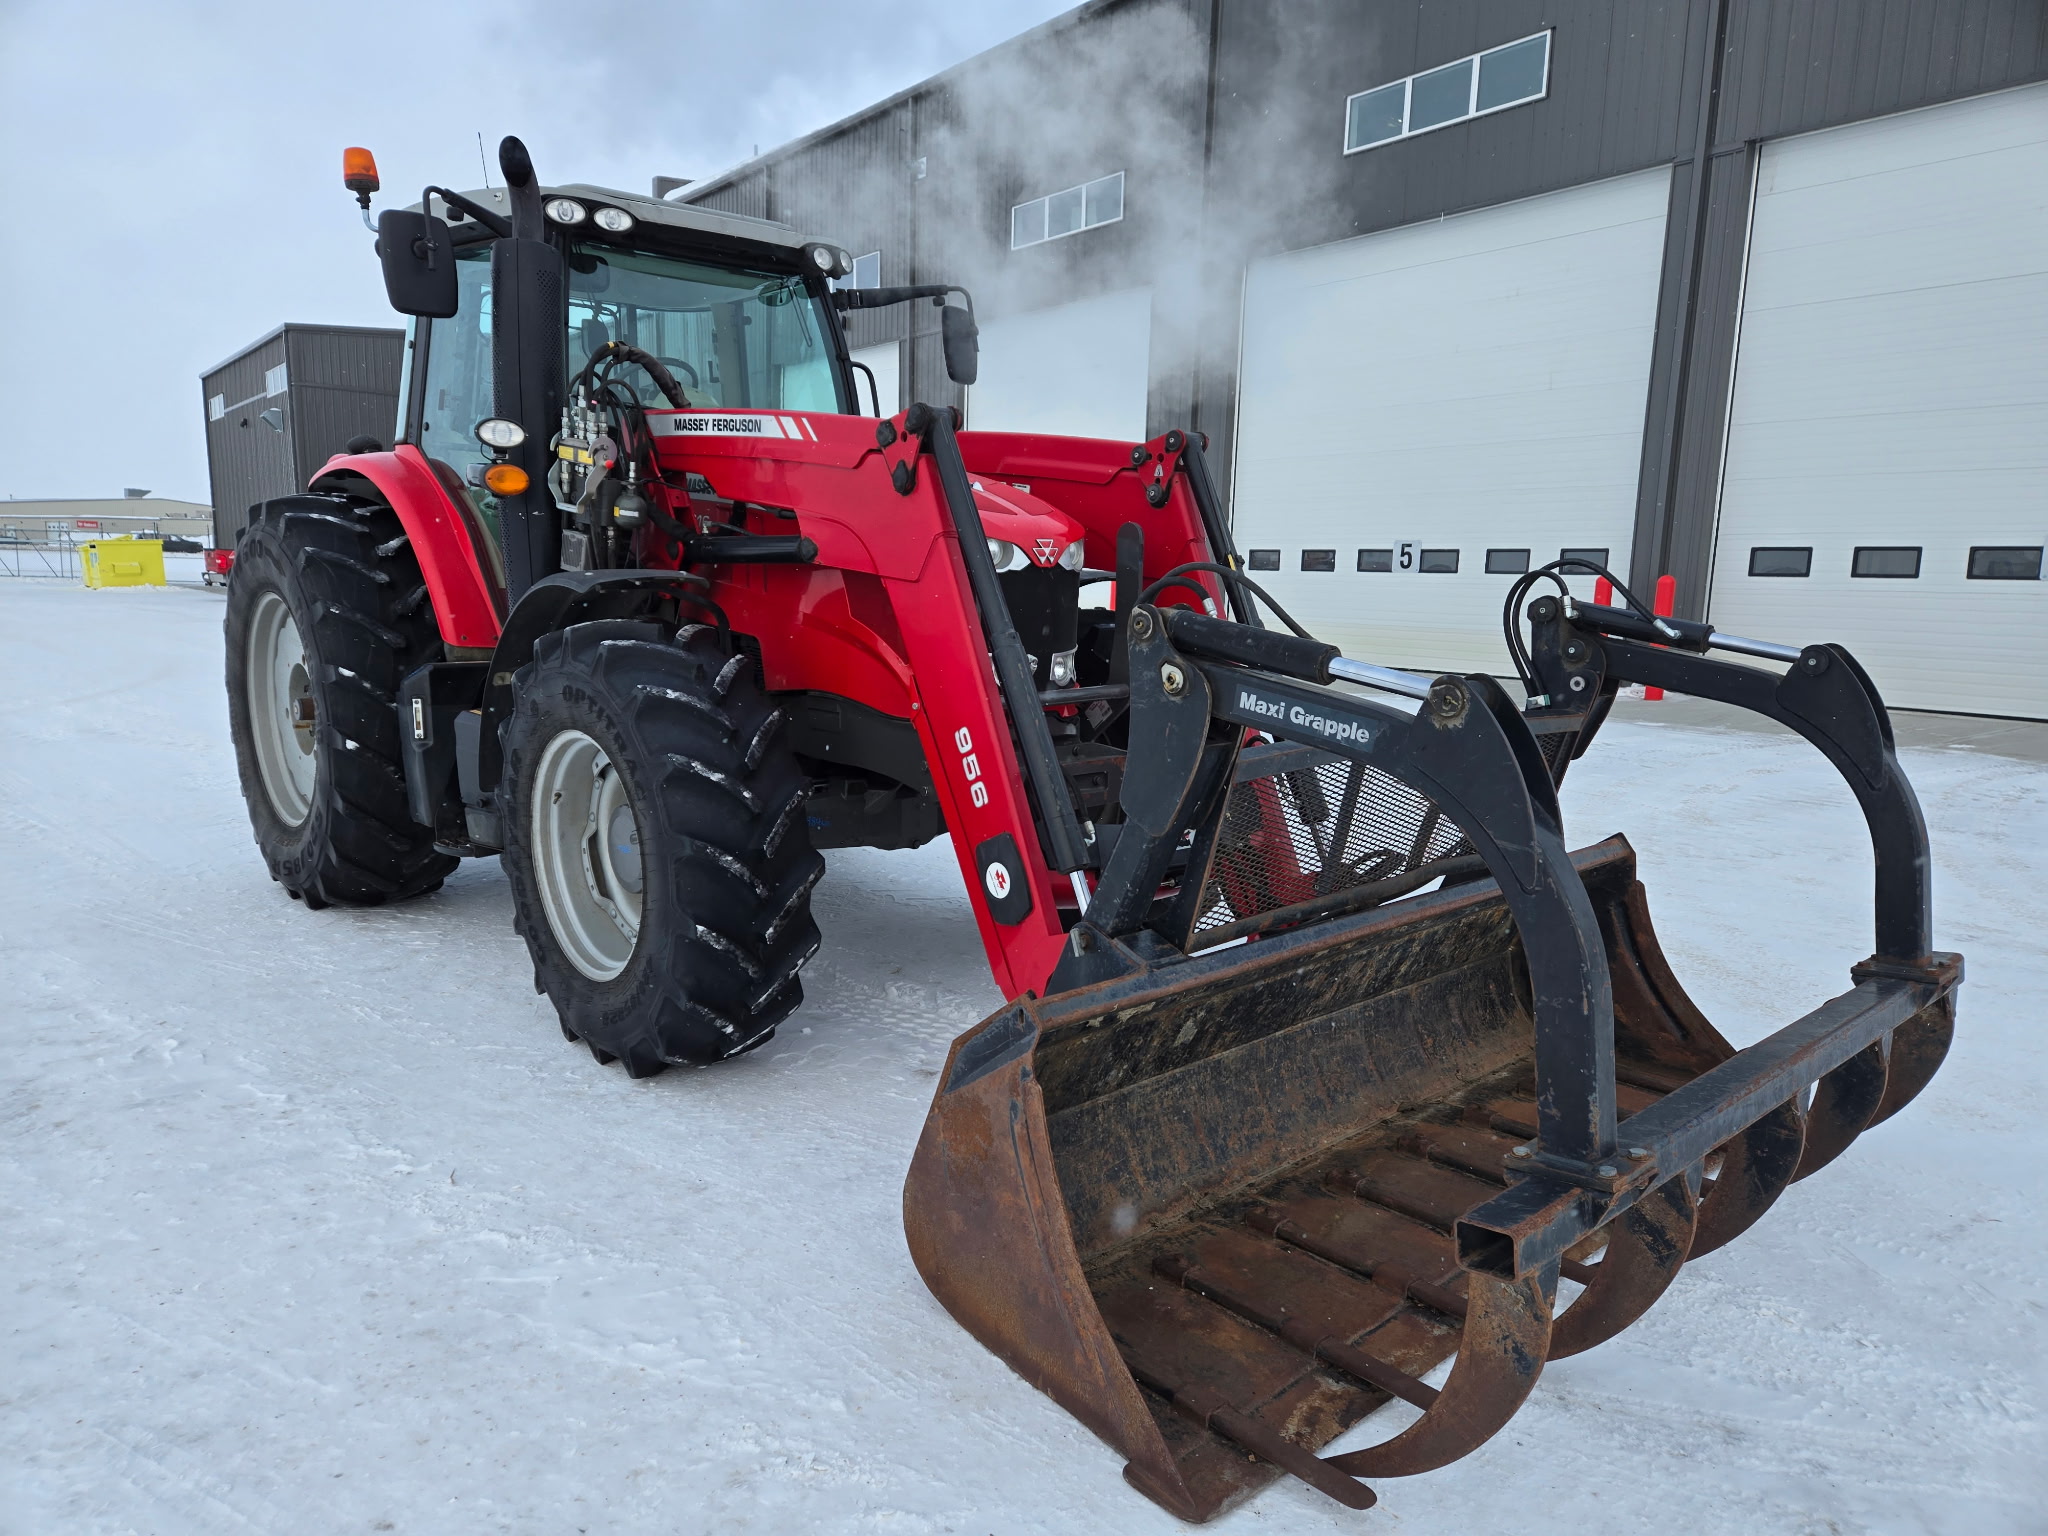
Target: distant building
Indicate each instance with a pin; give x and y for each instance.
(1742, 291)
(73, 520)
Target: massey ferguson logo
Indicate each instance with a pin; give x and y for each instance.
(1280, 711)
(1045, 550)
(729, 426)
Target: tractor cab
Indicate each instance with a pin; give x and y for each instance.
(737, 309)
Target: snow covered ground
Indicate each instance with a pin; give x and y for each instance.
(311, 1221)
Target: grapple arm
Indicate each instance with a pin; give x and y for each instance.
(1824, 695)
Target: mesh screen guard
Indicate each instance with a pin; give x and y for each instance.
(1297, 832)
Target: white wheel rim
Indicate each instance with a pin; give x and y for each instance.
(586, 855)
(281, 711)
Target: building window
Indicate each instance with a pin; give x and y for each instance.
(2005, 562)
(1265, 559)
(1584, 558)
(1067, 213)
(1492, 81)
(1781, 562)
(1375, 559)
(1439, 562)
(1506, 562)
(866, 273)
(216, 407)
(1880, 560)
(274, 380)
(1319, 560)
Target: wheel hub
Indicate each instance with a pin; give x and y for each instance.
(587, 855)
(283, 713)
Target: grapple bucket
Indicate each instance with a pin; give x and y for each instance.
(1221, 1203)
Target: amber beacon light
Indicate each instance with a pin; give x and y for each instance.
(359, 173)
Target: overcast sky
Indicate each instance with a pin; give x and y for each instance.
(172, 171)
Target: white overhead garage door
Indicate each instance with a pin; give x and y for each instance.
(1890, 412)
(1440, 391)
(1079, 370)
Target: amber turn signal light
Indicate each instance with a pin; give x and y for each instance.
(359, 171)
(505, 480)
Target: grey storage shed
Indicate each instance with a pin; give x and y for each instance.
(282, 406)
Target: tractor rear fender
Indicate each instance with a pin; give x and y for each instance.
(462, 581)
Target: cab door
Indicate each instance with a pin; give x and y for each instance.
(450, 377)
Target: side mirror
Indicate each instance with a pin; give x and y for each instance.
(419, 264)
(961, 338)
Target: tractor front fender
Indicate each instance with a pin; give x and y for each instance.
(461, 576)
(552, 603)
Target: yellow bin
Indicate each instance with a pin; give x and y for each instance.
(123, 562)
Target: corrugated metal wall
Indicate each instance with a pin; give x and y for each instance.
(247, 460)
(344, 384)
(340, 382)
(1228, 118)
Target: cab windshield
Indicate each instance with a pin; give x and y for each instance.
(734, 339)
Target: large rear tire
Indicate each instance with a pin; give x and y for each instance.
(326, 615)
(655, 841)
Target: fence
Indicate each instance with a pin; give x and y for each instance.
(21, 558)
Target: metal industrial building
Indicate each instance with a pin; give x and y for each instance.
(1752, 292)
(76, 519)
(287, 403)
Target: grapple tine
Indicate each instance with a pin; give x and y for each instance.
(1919, 1046)
(1756, 1168)
(1843, 1103)
(1646, 1247)
(1500, 1355)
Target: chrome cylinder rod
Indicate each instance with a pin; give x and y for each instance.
(1770, 650)
(1386, 679)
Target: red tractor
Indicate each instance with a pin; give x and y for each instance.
(641, 601)
(1324, 1058)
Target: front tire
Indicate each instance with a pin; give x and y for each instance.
(326, 615)
(655, 841)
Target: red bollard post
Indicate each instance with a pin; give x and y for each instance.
(1665, 601)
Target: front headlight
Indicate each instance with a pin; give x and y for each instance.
(1070, 557)
(1007, 556)
(1061, 672)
